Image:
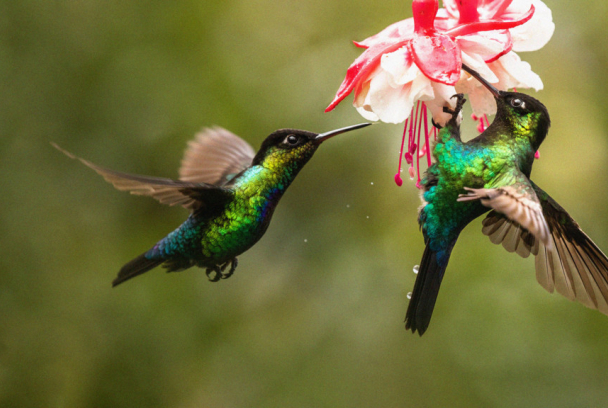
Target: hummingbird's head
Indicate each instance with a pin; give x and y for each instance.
(522, 114)
(289, 148)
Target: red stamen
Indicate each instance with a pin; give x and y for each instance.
(416, 149)
(427, 150)
(398, 179)
(418, 133)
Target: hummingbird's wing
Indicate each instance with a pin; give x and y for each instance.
(215, 156)
(573, 265)
(520, 205)
(192, 196)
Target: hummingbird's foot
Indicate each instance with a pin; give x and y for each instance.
(459, 104)
(436, 125)
(214, 274)
(233, 264)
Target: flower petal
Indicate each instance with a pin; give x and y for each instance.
(360, 70)
(476, 62)
(399, 31)
(488, 25)
(443, 97)
(438, 57)
(534, 34)
(487, 44)
(520, 71)
(391, 105)
(400, 66)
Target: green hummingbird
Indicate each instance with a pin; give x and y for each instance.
(230, 190)
(492, 172)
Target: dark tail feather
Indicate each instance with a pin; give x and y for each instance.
(137, 266)
(426, 288)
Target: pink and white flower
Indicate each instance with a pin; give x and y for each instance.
(506, 70)
(414, 66)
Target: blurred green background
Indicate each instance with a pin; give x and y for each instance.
(314, 314)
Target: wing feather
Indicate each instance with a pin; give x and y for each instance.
(193, 196)
(570, 264)
(214, 157)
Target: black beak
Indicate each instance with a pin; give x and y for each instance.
(328, 135)
(485, 83)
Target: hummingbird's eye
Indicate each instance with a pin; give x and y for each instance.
(518, 103)
(291, 140)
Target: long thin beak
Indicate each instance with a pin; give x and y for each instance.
(328, 135)
(481, 79)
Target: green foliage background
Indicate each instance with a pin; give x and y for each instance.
(314, 314)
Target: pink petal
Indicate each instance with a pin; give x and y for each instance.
(361, 68)
(438, 57)
(398, 31)
(467, 9)
(489, 25)
(496, 8)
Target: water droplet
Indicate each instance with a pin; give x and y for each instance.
(368, 216)
(416, 268)
(409, 295)
(305, 240)
(347, 205)
(372, 183)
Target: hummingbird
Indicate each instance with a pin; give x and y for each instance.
(230, 190)
(492, 173)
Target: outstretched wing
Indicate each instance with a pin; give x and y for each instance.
(572, 265)
(520, 205)
(192, 196)
(215, 156)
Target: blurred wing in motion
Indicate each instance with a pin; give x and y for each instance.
(192, 196)
(215, 156)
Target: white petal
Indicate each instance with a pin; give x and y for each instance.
(483, 44)
(534, 34)
(520, 71)
(422, 88)
(482, 101)
(391, 105)
(443, 97)
(476, 62)
(367, 114)
(400, 65)
(444, 93)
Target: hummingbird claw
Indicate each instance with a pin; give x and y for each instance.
(214, 274)
(459, 104)
(233, 264)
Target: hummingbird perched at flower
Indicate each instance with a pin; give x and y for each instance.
(492, 172)
(230, 190)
